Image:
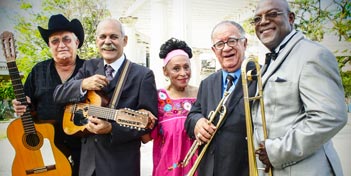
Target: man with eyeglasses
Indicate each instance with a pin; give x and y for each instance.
(303, 96)
(227, 152)
(63, 37)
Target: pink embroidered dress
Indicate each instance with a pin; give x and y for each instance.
(171, 142)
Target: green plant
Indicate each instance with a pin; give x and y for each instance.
(6, 95)
(345, 75)
(6, 110)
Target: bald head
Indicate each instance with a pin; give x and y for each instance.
(110, 21)
(282, 4)
(271, 30)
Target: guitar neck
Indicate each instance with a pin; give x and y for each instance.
(26, 118)
(102, 112)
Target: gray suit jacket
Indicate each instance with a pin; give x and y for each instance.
(117, 153)
(304, 108)
(227, 153)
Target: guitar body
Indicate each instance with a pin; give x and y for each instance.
(29, 158)
(75, 115)
(36, 153)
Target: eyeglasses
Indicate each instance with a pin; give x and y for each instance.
(268, 16)
(230, 42)
(66, 40)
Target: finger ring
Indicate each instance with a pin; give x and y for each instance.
(198, 135)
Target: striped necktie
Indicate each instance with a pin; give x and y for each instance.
(230, 81)
(108, 71)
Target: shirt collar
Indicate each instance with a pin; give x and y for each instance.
(277, 49)
(225, 73)
(116, 64)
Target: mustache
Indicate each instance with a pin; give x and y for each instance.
(108, 47)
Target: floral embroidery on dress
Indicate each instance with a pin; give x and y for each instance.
(172, 114)
(172, 107)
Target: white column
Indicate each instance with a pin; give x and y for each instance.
(180, 18)
(132, 50)
(181, 29)
(157, 37)
(195, 67)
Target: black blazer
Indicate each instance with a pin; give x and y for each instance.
(117, 153)
(227, 153)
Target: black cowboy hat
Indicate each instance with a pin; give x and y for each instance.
(60, 23)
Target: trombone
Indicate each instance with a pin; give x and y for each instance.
(249, 76)
(221, 110)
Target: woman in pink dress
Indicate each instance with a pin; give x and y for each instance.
(171, 142)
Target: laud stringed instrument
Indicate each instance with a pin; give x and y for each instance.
(36, 153)
(76, 115)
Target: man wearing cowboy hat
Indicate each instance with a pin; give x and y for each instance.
(63, 37)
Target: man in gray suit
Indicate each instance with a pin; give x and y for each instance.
(227, 153)
(303, 96)
(111, 149)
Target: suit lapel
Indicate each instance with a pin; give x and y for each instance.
(101, 67)
(238, 93)
(217, 91)
(281, 57)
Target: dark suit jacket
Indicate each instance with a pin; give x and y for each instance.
(227, 153)
(117, 153)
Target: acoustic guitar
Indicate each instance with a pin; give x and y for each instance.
(36, 153)
(76, 115)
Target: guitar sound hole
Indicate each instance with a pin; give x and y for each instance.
(79, 119)
(32, 139)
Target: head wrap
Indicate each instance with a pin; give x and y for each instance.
(170, 55)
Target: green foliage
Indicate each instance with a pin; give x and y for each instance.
(6, 95)
(248, 27)
(342, 19)
(345, 75)
(316, 19)
(6, 110)
(6, 90)
(310, 18)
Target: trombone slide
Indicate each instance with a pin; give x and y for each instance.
(249, 76)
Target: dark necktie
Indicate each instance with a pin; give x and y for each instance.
(269, 57)
(230, 81)
(108, 71)
(273, 55)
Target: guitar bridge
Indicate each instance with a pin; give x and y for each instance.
(41, 169)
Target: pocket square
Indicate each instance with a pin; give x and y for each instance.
(280, 80)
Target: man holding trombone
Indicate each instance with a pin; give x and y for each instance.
(221, 134)
(303, 98)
